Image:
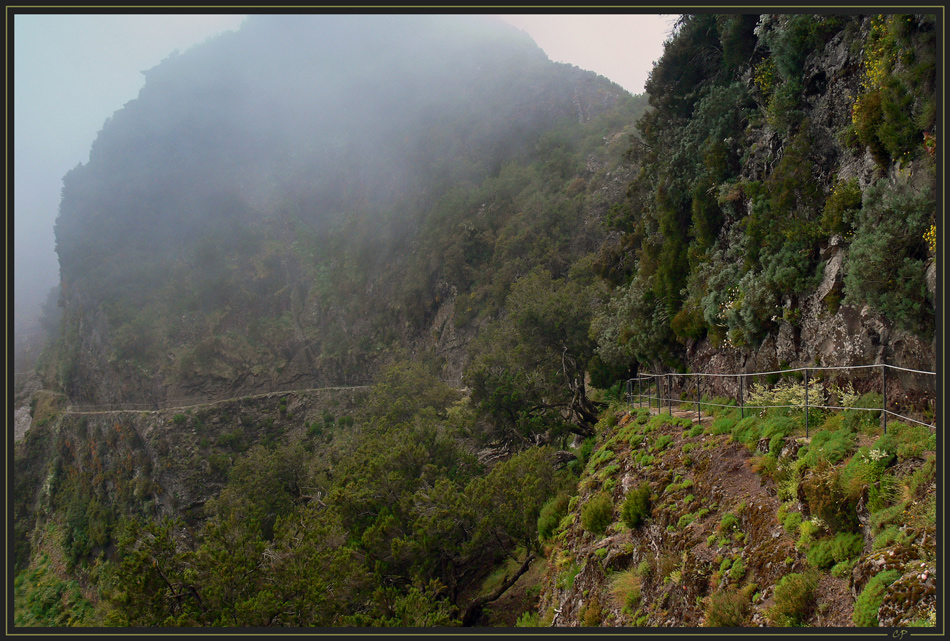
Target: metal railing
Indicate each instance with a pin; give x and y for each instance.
(189, 403)
(635, 390)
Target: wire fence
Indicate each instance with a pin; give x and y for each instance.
(916, 396)
(193, 402)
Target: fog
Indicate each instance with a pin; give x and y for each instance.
(72, 72)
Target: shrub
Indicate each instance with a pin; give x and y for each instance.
(869, 602)
(528, 620)
(793, 600)
(602, 456)
(728, 609)
(819, 555)
(909, 440)
(885, 266)
(723, 425)
(786, 393)
(729, 522)
(179, 419)
(662, 443)
(846, 546)
(826, 498)
(551, 515)
(636, 507)
(738, 570)
(792, 521)
(586, 448)
(746, 431)
(597, 514)
(625, 587)
(593, 614)
(827, 446)
(844, 201)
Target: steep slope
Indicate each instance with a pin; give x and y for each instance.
(281, 205)
(682, 524)
(431, 205)
(788, 183)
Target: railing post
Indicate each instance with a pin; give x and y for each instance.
(669, 391)
(639, 391)
(806, 402)
(741, 400)
(699, 411)
(884, 393)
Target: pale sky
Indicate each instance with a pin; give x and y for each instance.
(72, 72)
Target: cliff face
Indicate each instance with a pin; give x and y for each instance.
(272, 210)
(763, 244)
(823, 326)
(780, 216)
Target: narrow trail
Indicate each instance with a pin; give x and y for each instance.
(79, 410)
(692, 415)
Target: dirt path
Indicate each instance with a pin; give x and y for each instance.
(79, 410)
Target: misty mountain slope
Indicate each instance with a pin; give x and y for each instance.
(271, 208)
(498, 242)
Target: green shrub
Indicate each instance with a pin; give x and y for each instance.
(729, 522)
(528, 620)
(738, 570)
(846, 546)
(600, 457)
(908, 440)
(597, 514)
(869, 601)
(723, 425)
(776, 429)
(625, 587)
(551, 515)
(840, 207)
(830, 447)
(887, 536)
(686, 519)
(179, 419)
(636, 507)
(746, 431)
(793, 600)
(587, 446)
(885, 266)
(819, 555)
(826, 498)
(792, 521)
(728, 609)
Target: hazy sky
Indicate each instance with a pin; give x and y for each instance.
(71, 72)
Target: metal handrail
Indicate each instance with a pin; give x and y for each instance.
(806, 405)
(166, 406)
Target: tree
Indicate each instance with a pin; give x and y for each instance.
(530, 366)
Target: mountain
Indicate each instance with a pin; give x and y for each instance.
(348, 304)
(271, 211)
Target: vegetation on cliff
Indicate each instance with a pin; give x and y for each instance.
(746, 521)
(494, 242)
